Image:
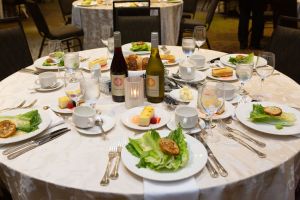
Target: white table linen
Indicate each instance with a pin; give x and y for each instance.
(71, 166)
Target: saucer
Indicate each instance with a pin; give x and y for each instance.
(172, 126)
(58, 85)
(199, 76)
(108, 123)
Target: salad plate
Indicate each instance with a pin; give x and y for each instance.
(126, 118)
(225, 60)
(127, 48)
(108, 123)
(196, 162)
(39, 64)
(243, 114)
(230, 78)
(199, 76)
(229, 110)
(20, 136)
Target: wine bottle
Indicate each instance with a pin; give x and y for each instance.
(155, 73)
(118, 71)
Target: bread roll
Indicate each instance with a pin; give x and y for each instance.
(222, 72)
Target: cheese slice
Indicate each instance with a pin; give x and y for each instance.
(146, 115)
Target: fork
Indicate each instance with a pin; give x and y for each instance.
(114, 174)
(242, 134)
(30, 105)
(16, 107)
(111, 155)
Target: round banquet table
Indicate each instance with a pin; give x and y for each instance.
(91, 19)
(71, 166)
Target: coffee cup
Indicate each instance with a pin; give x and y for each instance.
(84, 117)
(226, 90)
(186, 116)
(187, 70)
(198, 60)
(46, 79)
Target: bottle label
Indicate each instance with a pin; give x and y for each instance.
(152, 86)
(117, 85)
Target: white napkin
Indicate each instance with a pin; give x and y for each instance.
(55, 120)
(183, 189)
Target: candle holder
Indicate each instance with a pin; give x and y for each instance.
(134, 91)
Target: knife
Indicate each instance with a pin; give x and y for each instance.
(37, 143)
(215, 59)
(220, 168)
(19, 147)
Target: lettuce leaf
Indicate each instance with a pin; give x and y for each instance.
(258, 115)
(138, 46)
(242, 59)
(148, 150)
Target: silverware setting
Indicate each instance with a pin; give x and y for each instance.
(240, 133)
(20, 106)
(111, 155)
(115, 172)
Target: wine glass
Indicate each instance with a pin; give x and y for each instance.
(199, 36)
(110, 47)
(188, 46)
(106, 32)
(264, 68)
(244, 73)
(210, 101)
(74, 81)
(56, 52)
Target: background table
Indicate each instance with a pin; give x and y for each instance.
(71, 166)
(91, 19)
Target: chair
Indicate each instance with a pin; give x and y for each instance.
(66, 9)
(189, 24)
(285, 43)
(189, 8)
(65, 33)
(15, 53)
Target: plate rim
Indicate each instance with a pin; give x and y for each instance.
(176, 178)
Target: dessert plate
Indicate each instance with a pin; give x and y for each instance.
(230, 78)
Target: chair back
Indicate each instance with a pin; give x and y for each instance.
(15, 53)
(211, 12)
(38, 17)
(285, 44)
(66, 8)
(189, 7)
(139, 28)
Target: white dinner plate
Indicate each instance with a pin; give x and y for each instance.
(159, 112)
(229, 110)
(85, 66)
(39, 64)
(243, 114)
(176, 95)
(126, 48)
(230, 78)
(197, 160)
(166, 63)
(199, 76)
(225, 60)
(57, 109)
(46, 120)
(172, 126)
(58, 85)
(108, 123)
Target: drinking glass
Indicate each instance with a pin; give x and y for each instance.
(74, 81)
(244, 73)
(71, 60)
(106, 32)
(210, 101)
(110, 47)
(56, 46)
(265, 70)
(91, 86)
(199, 36)
(188, 46)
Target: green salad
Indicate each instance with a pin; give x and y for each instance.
(55, 58)
(258, 114)
(26, 122)
(148, 150)
(241, 59)
(140, 46)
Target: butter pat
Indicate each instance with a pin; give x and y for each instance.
(146, 115)
(63, 102)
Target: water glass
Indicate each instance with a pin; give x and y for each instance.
(188, 46)
(244, 73)
(74, 84)
(199, 35)
(71, 60)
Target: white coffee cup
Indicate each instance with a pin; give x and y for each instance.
(46, 79)
(187, 70)
(226, 90)
(199, 60)
(84, 117)
(186, 116)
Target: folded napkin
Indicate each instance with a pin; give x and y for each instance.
(55, 120)
(183, 189)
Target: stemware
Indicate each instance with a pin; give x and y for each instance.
(210, 101)
(188, 46)
(264, 71)
(106, 32)
(244, 73)
(55, 46)
(91, 87)
(199, 35)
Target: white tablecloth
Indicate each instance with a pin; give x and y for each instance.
(91, 19)
(71, 166)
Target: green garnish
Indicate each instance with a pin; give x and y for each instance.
(241, 59)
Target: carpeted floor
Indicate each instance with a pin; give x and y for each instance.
(222, 34)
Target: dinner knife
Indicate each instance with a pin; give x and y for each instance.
(36, 144)
(215, 59)
(19, 147)
(220, 168)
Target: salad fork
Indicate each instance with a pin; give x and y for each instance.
(30, 105)
(114, 174)
(16, 107)
(111, 155)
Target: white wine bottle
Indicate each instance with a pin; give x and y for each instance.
(155, 73)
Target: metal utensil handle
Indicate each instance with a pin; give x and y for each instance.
(115, 174)
(212, 171)
(260, 154)
(247, 137)
(220, 168)
(17, 148)
(105, 180)
(22, 151)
